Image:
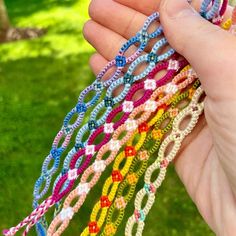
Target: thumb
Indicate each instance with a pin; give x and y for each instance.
(207, 47)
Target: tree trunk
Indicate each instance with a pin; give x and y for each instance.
(4, 20)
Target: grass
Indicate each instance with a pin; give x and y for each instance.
(40, 81)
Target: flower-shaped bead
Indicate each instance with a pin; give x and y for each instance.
(139, 215)
(108, 102)
(192, 73)
(81, 107)
(174, 112)
(150, 84)
(157, 134)
(149, 188)
(90, 150)
(143, 127)
(131, 125)
(171, 88)
(173, 65)
(132, 178)
(128, 79)
(93, 227)
(109, 230)
(143, 155)
(120, 203)
(108, 128)
(128, 106)
(92, 124)
(67, 130)
(130, 151)
(105, 202)
(66, 213)
(152, 57)
(116, 176)
(120, 61)
(72, 174)
(83, 188)
(150, 106)
(114, 145)
(99, 165)
(143, 36)
(98, 86)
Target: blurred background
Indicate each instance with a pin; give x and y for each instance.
(43, 68)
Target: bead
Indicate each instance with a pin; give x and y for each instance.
(128, 79)
(108, 102)
(56, 152)
(192, 73)
(143, 127)
(150, 106)
(131, 125)
(81, 107)
(114, 145)
(67, 130)
(152, 57)
(99, 166)
(143, 155)
(90, 150)
(120, 203)
(139, 215)
(174, 112)
(72, 174)
(92, 124)
(66, 213)
(116, 176)
(173, 65)
(79, 146)
(132, 178)
(104, 201)
(120, 61)
(191, 93)
(110, 229)
(98, 86)
(130, 151)
(128, 106)
(157, 134)
(83, 188)
(93, 227)
(143, 36)
(149, 188)
(108, 128)
(150, 84)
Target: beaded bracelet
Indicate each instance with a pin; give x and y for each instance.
(98, 86)
(144, 111)
(117, 210)
(118, 178)
(177, 135)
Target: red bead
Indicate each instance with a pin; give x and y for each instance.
(93, 227)
(163, 106)
(164, 163)
(130, 151)
(105, 201)
(143, 127)
(116, 176)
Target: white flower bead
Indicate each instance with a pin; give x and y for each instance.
(131, 125)
(90, 150)
(128, 106)
(99, 166)
(173, 65)
(114, 145)
(83, 188)
(150, 84)
(72, 174)
(66, 213)
(108, 128)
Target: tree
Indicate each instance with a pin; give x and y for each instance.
(9, 33)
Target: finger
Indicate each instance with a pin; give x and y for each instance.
(150, 6)
(118, 18)
(106, 42)
(201, 43)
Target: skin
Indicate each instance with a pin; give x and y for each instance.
(207, 161)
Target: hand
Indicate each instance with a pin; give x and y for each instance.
(207, 161)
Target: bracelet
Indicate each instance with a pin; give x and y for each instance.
(145, 110)
(194, 109)
(152, 140)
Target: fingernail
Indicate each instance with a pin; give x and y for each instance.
(178, 8)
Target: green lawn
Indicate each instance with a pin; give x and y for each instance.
(40, 81)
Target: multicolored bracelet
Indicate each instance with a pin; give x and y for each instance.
(194, 109)
(149, 137)
(144, 112)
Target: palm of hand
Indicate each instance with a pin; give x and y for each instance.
(205, 163)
